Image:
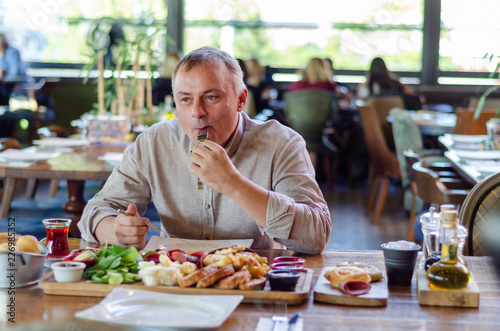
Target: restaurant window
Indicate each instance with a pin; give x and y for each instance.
(469, 43)
(57, 31)
(288, 33)
(466, 41)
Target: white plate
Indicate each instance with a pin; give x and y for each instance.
(60, 142)
(467, 139)
(111, 158)
(488, 169)
(478, 155)
(26, 155)
(162, 310)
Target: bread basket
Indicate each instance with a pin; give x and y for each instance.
(20, 269)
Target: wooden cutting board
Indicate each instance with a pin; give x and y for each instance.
(323, 292)
(266, 296)
(467, 297)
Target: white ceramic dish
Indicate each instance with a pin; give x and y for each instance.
(68, 271)
(112, 159)
(467, 139)
(60, 142)
(161, 310)
(49, 261)
(26, 155)
(479, 155)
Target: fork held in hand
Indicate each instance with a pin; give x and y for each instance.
(119, 209)
(202, 136)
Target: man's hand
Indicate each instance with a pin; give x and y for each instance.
(210, 163)
(124, 230)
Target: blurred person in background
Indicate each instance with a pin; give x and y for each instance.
(258, 84)
(250, 105)
(380, 82)
(163, 84)
(341, 88)
(11, 66)
(315, 76)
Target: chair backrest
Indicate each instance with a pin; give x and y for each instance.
(466, 124)
(481, 208)
(489, 103)
(308, 111)
(407, 136)
(382, 161)
(432, 190)
(382, 107)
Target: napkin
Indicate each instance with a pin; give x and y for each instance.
(266, 324)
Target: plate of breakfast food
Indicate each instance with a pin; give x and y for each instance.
(352, 284)
(231, 270)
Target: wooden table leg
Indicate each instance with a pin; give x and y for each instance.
(75, 205)
(8, 194)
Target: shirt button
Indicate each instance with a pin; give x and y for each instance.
(207, 206)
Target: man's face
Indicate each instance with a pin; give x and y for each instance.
(205, 97)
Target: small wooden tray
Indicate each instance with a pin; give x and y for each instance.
(323, 292)
(266, 296)
(466, 297)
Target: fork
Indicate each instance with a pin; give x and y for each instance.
(279, 314)
(119, 209)
(202, 137)
(122, 211)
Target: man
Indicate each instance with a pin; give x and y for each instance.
(258, 179)
(11, 66)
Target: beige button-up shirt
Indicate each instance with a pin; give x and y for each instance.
(156, 168)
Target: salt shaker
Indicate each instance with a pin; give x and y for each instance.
(431, 224)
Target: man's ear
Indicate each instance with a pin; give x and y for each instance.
(242, 100)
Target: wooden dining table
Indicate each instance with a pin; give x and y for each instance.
(77, 167)
(35, 310)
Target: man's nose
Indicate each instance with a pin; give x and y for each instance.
(198, 109)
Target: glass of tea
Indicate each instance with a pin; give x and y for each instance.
(57, 237)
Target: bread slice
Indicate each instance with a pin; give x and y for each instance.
(212, 277)
(240, 277)
(194, 277)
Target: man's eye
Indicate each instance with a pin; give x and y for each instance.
(184, 99)
(211, 97)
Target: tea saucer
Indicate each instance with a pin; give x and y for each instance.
(50, 260)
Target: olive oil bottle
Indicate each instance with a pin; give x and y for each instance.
(448, 273)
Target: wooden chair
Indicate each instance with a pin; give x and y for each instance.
(480, 209)
(383, 163)
(489, 103)
(382, 107)
(442, 169)
(308, 111)
(466, 124)
(435, 190)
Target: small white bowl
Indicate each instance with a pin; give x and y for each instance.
(68, 271)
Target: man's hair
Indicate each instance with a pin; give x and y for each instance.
(209, 54)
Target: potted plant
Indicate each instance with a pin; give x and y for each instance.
(493, 125)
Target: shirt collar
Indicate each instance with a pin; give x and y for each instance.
(236, 138)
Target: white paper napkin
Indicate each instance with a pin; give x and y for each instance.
(266, 324)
